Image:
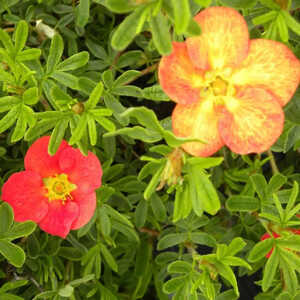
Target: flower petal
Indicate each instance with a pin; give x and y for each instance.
(252, 122)
(272, 66)
(224, 40)
(38, 160)
(59, 218)
(179, 79)
(197, 120)
(25, 193)
(84, 171)
(87, 206)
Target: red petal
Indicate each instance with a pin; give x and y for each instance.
(198, 120)
(224, 40)
(179, 79)
(38, 160)
(272, 66)
(25, 193)
(252, 123)
(59, 218)
(87, 206)
(84, 171)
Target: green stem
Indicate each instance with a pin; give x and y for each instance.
(274, 167)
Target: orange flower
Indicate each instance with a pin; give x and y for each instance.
(229, 90)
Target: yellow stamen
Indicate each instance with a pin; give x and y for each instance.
(59, 188)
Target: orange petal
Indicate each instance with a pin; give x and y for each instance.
(179, 79)
(224, 40)
(251, 122)
(272, 66)
(197, 120)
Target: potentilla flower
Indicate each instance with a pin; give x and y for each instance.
(229, 90)
(57, 192)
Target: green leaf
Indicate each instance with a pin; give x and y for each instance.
(282, 28)
(106, 124)
(6, 41)
(80, 130)
(128, 29)
(236, 245)
(182, 15)
(82, 13)
(13, 253)
(117, 216)
(155, 93)
(20, 127)
(160, 34)
(260, 184)
(180, 267)
(6, 217)
(21, 35)
(293, 197)
(31, 96)
(150, 189)
(291, 22)
(29, 54)
(260, 250)
(145, 117)
(275, 183)
(141, 212)
(12, 285)
(20, 230)
(235, 261)
(206, 192)
(66, 79)
(57, 136)
(171, 240)
(228, 274)
(92, 131)
(270, 270)
(239, 3)
(126, 77)
(173, 284)
(265, 18)
(9, 119)
(74, 62)
(242, 203)
(158, 207)
(205, 162)
(291, 258)
(94, 97)
(66, 291)
(56, 50)
(8, 102)
(289, 276)
(119, 6)
(203, 238)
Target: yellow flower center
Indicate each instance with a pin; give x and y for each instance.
(59, 188)
(219, 87)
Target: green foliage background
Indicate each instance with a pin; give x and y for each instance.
(85, 71)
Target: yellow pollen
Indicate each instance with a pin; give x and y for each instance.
(219, 87)
(59, 188)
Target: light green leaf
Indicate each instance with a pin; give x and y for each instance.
(56, 50)
(21, 35)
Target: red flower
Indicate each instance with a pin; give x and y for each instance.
(57, 192)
